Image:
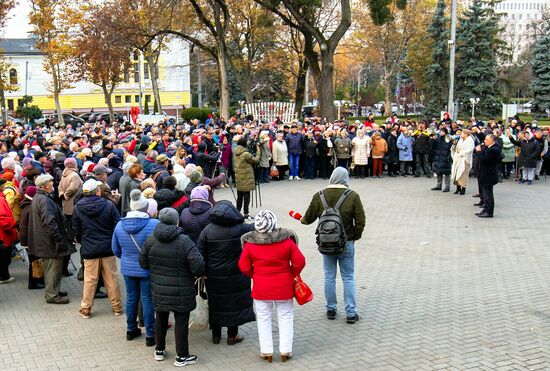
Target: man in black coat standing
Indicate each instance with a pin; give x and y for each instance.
(489, 162)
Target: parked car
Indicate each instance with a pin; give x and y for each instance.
(68, 119)
(104, 116)
(13, 119)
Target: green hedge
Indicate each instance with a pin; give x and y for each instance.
(196, 113)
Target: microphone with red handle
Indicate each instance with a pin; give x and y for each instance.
(294, 214)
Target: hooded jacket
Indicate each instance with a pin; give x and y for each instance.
(194, 218)
(272, 260)
(69, 186)
(8, 232)
(139, 226)
(173, 261)
(229, 294)
(244, 170)
(94, 219)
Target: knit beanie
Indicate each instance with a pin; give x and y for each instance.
(8, 163)
(169, 215)
(200, 192)
(30, 191)
(137, 201)
(70, 163)
(265, 221)
(196, 177)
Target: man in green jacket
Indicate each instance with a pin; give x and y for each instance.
(353, 218)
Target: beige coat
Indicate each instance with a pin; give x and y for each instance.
(68, 187)
(360, 150)
(280, 153)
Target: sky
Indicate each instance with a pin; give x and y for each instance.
(18, 23)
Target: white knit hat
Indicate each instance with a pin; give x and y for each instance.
(138, 202)
(265, 221)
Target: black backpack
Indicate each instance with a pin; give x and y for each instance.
(331, 233)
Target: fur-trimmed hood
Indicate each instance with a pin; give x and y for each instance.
(278, 235)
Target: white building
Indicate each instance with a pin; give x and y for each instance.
(27, 73)
(516, 19)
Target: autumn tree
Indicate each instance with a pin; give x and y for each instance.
(52, 22)
(5, 7)
(139, 23)
(384, 35)
(251, 36)
(100, 55)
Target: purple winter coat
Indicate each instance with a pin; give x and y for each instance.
(195, 218)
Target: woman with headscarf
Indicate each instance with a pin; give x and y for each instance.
(272, 259)
(229, 300)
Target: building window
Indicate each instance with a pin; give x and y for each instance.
(148, 98)
(136, 56)
(118, 99)
(10, 105)
(136, 72)
(146, 71)
(13, 76)
(126, 74)
(136, 99)
(127, 99)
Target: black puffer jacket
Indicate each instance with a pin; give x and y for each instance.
(94, 220)
(443, 161)
(195, 218)
(393, 152)
(229, 294)
(530, 152)
(174, 261)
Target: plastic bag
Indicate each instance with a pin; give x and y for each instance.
(274, 172)
(198, 318)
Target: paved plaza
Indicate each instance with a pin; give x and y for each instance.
(438, 288)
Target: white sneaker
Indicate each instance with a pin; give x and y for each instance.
(9, 280)
(297, 178)
(160, 355)
(290, 177)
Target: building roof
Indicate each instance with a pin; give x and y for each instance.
(19, 47)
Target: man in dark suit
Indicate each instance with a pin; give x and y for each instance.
(489, 162)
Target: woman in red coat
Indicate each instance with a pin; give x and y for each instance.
(8, 236)
(272, 259)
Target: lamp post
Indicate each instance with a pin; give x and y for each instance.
(241, 103)
(474, 102)
(452, 45)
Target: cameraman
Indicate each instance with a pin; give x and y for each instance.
(243, 165)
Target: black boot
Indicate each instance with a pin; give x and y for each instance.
(457, 190)
(462, 191)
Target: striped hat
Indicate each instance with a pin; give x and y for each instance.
(265, 221)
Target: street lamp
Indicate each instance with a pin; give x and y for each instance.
(242, 102)
(474, 102)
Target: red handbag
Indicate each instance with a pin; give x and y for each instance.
(302, 292)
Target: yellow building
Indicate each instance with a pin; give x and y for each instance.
(27, 73)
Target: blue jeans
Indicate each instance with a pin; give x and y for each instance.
(294, 163)
(347, 271)
(139, 288)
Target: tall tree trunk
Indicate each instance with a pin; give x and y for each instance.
(152, 62)
(56, 91)
(326, 92)
(3, 103)
(224, 81)
(108, 95)
(386, 83)
(300, 88)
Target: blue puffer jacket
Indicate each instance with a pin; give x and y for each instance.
(93, 222)
(140, 226)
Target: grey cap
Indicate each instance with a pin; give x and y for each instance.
(169, 215)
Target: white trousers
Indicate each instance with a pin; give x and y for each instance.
(285, 319)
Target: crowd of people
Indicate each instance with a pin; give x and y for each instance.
(145, 194)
